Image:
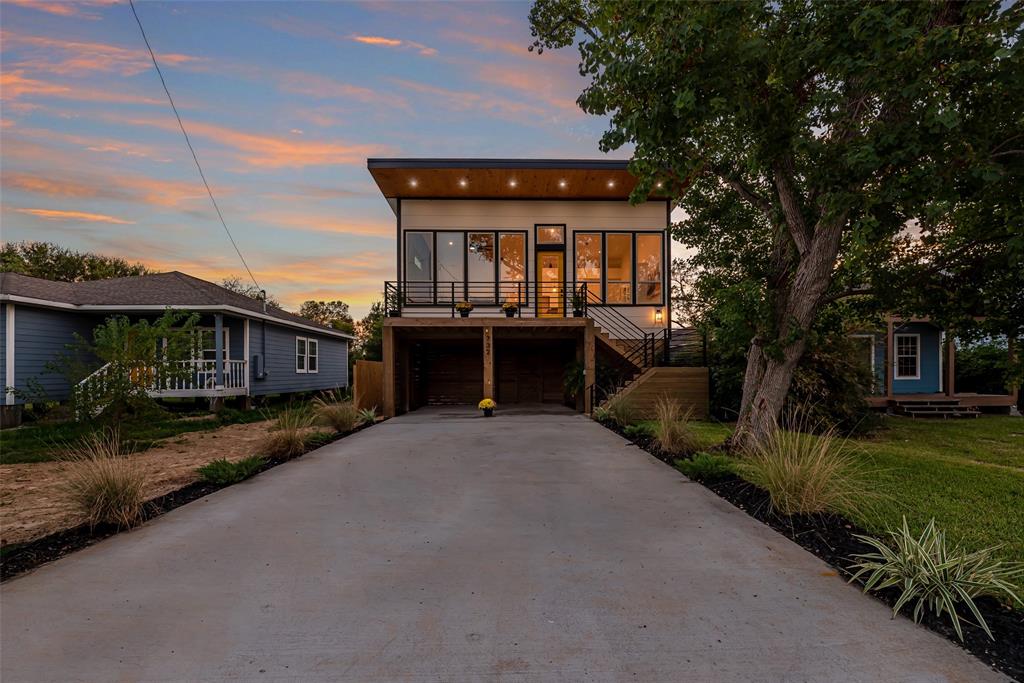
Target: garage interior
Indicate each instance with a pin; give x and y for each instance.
(431, 362)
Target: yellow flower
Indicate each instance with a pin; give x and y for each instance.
(487, 404)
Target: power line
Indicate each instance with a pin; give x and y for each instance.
(188, 142)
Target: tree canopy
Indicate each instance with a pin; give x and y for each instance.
(330, 313)
(820, 151)
(50, 261)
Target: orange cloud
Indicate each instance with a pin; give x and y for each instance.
(130, 188)
(63, 9)
(77, 57)
(463, 100)
(14, 85)
(267, 151)
(322, 87)
(28, 152)
(58, 215)
(534, 83)
(395, 42)
(325, 224)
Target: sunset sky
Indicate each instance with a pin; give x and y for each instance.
(284, 102)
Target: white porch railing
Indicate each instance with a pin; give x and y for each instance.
(183, 378)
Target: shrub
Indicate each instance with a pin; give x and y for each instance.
(706, 467)
(341, 415)
(367, 416)
(637, 431)
(104, 482)
(805, 473)
(671, 429)
(602, 415)
(224, 472)
(934, 576)
(287, 439)
(621, 410)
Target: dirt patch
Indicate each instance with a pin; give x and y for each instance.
(33, 504)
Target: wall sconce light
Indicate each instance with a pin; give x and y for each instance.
(658, 317)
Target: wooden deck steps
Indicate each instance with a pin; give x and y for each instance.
(933, 408)
(689, 386)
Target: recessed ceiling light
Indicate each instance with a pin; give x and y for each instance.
(463, 182)
(611, 183)
(562, 184)
(659, 184)
(413, 182)
(513, 183)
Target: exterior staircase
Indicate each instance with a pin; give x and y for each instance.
(933, 408)
(689, 386)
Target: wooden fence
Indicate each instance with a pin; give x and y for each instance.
(368, 385)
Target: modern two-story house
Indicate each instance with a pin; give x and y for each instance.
(523, 281)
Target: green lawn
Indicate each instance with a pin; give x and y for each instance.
(967, 474)
(46, 441)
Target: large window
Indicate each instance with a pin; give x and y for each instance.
(649, 264)
(512, 266)
(419, 267)
(588, 263)
(483, 266)
(619, 267)
(908, 356)
(451, 265)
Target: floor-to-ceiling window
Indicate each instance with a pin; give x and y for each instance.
(649, 268)
(482, 266)
(588, 264)
(419, 267)
(512, 267)
(619, 268)
(451, 266)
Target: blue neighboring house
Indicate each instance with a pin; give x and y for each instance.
(913, 362)
(243, 347)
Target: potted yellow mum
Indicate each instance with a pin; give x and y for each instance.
(487, 405)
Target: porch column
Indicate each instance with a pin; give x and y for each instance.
(218, 345)
(589, 367)
(488, 362)
(950, 364)
(388, 356)
(890, 352)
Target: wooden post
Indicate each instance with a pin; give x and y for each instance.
(890, 354)
(488, 362)
(589, 367)
(1011, 351)
(950, 364)
(388, 354)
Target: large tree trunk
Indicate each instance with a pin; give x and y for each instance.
(773, 358)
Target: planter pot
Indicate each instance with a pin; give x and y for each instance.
(510, 314)
(464, 314)
(577, 312)
(488, 412)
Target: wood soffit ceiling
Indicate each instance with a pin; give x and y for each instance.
(501, 179)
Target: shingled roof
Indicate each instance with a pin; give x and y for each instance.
(174, 290)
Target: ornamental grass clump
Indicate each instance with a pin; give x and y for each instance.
(367, 416)
(672, 430)
(104, 482)
(934, 576)
(223, 472)
(342, 416)
(621, 411)
(806, 473)
(707, 467)
(287, 438)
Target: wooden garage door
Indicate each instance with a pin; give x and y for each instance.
(531, 371)
(449, 372)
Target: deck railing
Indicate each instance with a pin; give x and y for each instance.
(182, 378)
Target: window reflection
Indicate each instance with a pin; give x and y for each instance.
(481, 266)
(512, 267)
(588, 263)
(451, 265)
(619, 267)
(550, 234)
(648, 268)
(419, 267)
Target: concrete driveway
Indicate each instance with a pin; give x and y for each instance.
(442, 546)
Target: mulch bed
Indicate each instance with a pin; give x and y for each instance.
(22, 557)
(831, 537)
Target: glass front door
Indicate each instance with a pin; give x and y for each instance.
(550, 284)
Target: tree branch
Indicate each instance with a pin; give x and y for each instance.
(783, 170)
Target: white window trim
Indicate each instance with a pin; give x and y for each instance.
(896, 359)
(316, 355)
(305, 356)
